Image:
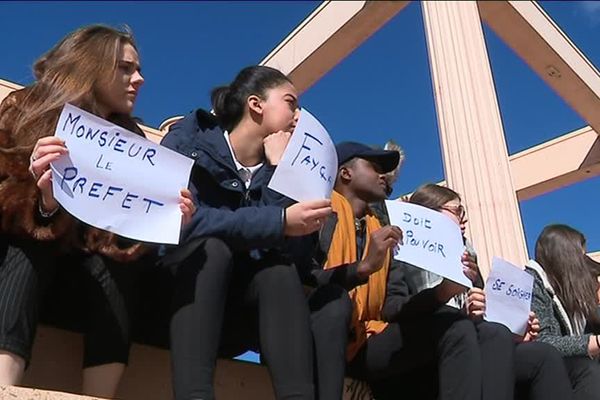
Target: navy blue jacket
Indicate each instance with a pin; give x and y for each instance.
(250, 219)
(243, 218)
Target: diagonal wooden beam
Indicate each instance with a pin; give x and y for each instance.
(327, 36)
(526, 28)
(533, 171)
(324, 39)
(6, 87)
(568, 159)
(153, 134)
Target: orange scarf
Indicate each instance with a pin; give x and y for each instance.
(367, 298)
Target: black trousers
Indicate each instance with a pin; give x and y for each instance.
(330, 314)
(497, 349)
(225, 305)
(534, 369)
(585, 377)
(442, 346)
(101, 291)
(540, 373)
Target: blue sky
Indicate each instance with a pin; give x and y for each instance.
(381, 91)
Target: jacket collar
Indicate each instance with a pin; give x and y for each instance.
(534, 265)
(210, 140)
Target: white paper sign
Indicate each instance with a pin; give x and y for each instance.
(432, 241)
(508, 293)
(116, 180)
(308, 167)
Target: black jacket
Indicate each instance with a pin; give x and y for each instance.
(401, 300)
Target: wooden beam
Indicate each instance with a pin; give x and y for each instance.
(560, 162)
(152, 134)
(6, 87)
(526, 28)
(327, 36)
(578, 151)
(534, 172)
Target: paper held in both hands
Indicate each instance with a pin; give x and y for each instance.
(508, 293)
(116, 180)
(432, 241)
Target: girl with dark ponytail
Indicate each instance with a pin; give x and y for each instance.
(235, 289)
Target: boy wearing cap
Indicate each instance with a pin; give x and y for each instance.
(423, 332)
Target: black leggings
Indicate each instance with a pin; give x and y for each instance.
(585, 377)
(497, 349)
(330, 314)
(534, 369)
(226, 305)
(528, 371)
(531, 371)
(31, 273)
(540, 373)
(444, 343)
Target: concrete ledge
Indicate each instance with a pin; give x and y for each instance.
(56, 366)
(19, 393)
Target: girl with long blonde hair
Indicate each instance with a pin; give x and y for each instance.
(96, 68)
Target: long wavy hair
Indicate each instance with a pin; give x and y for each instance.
(560, 250)
(71, 71)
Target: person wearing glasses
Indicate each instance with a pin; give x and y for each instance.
(393, 332)
(523, 367)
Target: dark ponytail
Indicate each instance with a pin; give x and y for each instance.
(229, 102)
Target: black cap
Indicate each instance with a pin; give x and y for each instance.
(387, 159)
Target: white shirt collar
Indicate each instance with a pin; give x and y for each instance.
(246, 173)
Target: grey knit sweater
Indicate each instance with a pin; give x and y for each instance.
(556, 327)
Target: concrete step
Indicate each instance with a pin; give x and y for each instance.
(56, 366)
(20, 393)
